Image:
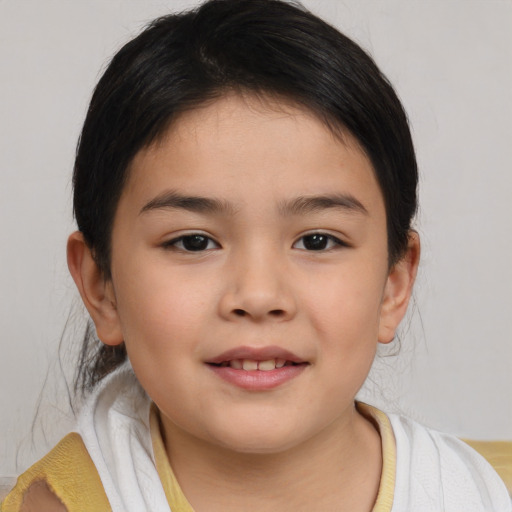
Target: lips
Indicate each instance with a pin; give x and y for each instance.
(257, 368)
(258, 355)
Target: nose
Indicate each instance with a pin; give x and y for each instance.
(258, 288)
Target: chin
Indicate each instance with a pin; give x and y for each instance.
(261, 439)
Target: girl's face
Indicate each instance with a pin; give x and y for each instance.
(250, 238)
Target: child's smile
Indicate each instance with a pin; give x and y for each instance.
(250, 275)
(257, 369)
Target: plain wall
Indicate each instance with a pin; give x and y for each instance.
(451, 63)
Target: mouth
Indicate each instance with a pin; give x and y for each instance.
(257, 369)
(256, 358)
(253, 364)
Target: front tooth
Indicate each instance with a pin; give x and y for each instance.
(280, 363)
(249, 364)
(267, 365)
(236, 364)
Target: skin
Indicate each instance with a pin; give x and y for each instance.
(39, 498)
(302, 445)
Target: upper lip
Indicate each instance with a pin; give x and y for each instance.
(256, 354)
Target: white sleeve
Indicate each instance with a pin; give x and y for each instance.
(439, 473)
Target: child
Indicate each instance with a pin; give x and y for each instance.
(244, 189)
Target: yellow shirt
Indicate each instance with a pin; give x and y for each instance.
(70, 473)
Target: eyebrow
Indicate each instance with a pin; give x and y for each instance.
(309, 204)
(174, 200)
(299, 206)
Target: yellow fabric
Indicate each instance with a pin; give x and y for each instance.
(178, 502)
(172, 489)
(386, 492)
(70, 473)
(499, 455)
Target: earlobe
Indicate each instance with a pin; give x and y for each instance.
(97, 293)
(398, 290)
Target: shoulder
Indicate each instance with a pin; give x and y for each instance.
(39, 498)
(60, 480)
(436, 471)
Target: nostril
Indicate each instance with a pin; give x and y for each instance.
(274, 312)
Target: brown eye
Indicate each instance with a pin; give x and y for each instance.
(192, 243)
(195, 243)
(317, 242)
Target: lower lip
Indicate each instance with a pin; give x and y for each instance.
(258, 380)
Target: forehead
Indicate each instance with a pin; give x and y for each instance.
(249, 141)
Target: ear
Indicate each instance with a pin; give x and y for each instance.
(97, 293)
(398, 290)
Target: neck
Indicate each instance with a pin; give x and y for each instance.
(337, 469)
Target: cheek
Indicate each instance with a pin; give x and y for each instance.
(347, 307)
(158, 310)
(346, 315)
(161, 320)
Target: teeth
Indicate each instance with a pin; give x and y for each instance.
(249, 364)
(267, 365)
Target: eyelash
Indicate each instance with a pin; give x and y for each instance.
(175, 242)
(334, 241)
(179, 243)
